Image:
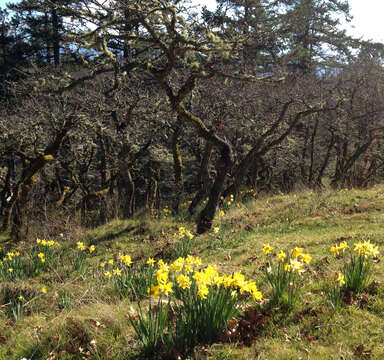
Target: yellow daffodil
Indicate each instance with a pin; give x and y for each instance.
(296, 265)
(203, 291)
(154, 291)
(306, 258)
(126, 259)
(281, 255)
(184, 281)
(107, 275)
(80, 246)
(151, 262)
(340, 279)
(267, 249)
(359, 248)
(343, 246)
(177, 265)
(44, 290)
(181, 230)
(297, 251)
(335, 250)
(117, 272)
(166, 288)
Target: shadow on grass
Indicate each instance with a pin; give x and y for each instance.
(112, 235)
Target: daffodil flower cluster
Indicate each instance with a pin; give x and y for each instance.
(335, 250)
(105, 264)
(201, 299)
(80, 246)
(183, 233)
(230, 201)
(41, 256)
(357, 271)
(125, 259)
(46, 243)
(11, 265)
(249, 192)
(131, 279)
(183, 243)
(366, 249)
(221, 214)
(283, 274)
(80, 254)
(189, 275)
(43, 253)
(10, 256)
(295, 262)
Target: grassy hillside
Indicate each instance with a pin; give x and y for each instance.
(66, 308)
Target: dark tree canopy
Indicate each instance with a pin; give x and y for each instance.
(110, 107)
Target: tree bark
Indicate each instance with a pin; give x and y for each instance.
(177, 167)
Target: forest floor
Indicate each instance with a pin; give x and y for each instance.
(66, 308)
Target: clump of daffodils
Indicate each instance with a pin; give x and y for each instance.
(200, 300)
(183, 244)
(80, 254)
(12, 265)
(230, 201)
(80, 246)
(47, 243)
(293, 262)
(10, 256)
(183, 232)
(282, 272)
(357, 269)
(125, 259)
(44, 254)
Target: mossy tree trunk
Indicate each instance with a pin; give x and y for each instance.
(15, 213)
(177, 167)
(205, 180)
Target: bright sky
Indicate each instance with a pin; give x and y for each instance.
(367, 17)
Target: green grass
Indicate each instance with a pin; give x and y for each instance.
(83, 315)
